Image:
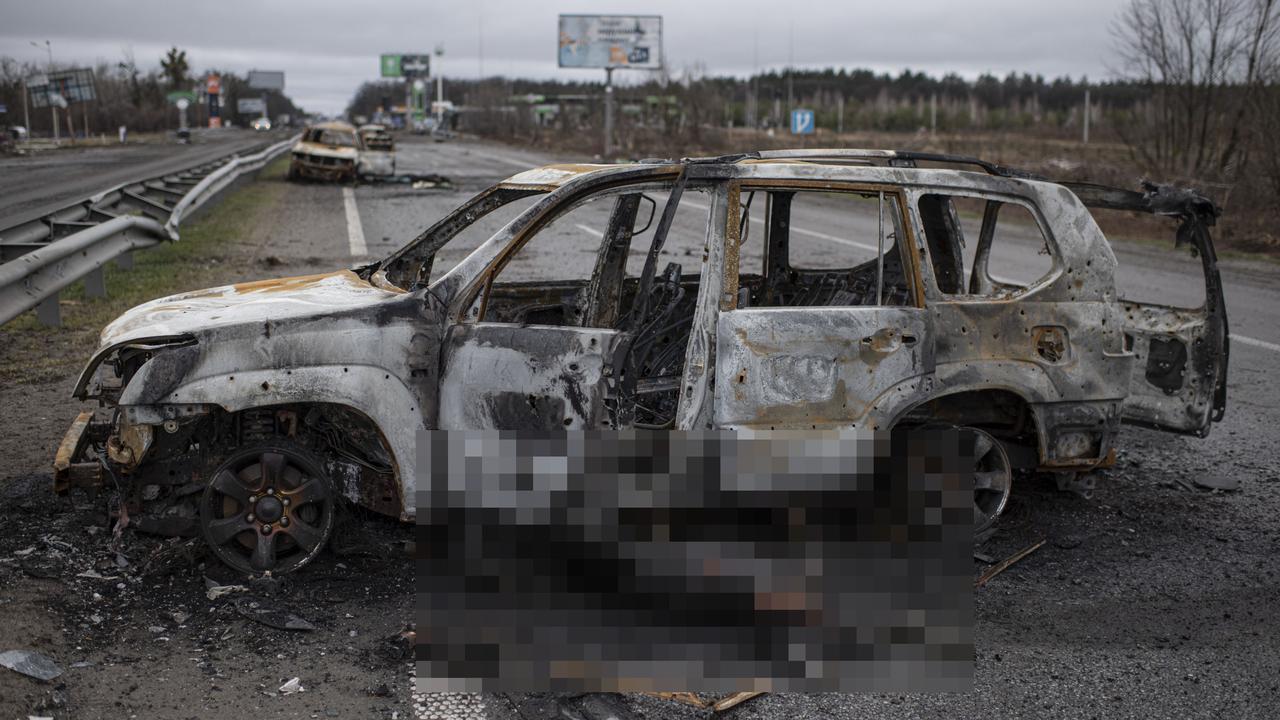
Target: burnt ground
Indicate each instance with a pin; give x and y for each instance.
(1154, 598)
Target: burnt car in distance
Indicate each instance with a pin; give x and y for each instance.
(328, 151)
(806, 289)
(379, 154)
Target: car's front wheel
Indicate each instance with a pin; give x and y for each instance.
(268, 508)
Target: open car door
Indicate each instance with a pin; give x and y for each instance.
(1179, 380)
(562, 361)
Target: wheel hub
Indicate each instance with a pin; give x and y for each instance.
(268, 508)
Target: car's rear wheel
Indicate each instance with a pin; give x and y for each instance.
(992, 478)
(268, 508)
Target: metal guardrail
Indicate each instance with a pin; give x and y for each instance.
(43, 256)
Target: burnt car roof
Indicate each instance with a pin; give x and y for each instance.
(1155, 199)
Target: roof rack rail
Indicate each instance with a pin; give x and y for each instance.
(895, 158)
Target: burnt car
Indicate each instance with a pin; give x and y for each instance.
(379, 154)
(328, 151)
(810, 289)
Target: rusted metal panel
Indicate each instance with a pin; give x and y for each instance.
(817, 367)
(499, 376)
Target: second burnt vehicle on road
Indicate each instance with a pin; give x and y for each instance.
(327, 151)
(245, 413)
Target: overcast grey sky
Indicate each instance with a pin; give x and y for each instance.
(327, 47)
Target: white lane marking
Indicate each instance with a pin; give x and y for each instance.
(524, 164)
(355, 233)
(1263, 344)
(588, 229)
(1243, 339)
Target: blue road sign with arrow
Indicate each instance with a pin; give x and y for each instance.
(801, 122)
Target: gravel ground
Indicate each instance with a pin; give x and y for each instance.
(1152, 599)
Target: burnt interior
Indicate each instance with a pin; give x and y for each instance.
(660, 326)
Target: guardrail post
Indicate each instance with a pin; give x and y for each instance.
(124, 261)
(48, 312)
(95, 283)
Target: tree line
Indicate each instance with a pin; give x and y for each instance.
(134, 94)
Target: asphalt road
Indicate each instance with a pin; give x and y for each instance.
(1152, 599)
(31, 186)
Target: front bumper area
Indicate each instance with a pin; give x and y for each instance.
(70, 469)
(322, 168)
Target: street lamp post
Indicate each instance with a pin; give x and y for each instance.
(439, 89)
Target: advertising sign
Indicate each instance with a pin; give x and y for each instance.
(213, 84)
(64, 86)
(266, 80)
(611, 41)
(406, 66)
(250, 106)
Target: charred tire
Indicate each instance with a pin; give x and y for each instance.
(268, 508)
(992, 478)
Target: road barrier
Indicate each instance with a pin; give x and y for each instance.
(43, 256)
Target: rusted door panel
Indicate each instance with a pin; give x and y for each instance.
(1174, 378)
(516, 377)
(815, 367)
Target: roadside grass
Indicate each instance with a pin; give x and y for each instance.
(207, 254)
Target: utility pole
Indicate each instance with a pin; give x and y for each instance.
(933, 113)
(26, 115)
(1088, 111)
(439, 88)
(840, 117)
(608, 113)
(791, 60)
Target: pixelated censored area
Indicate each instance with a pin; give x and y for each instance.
(703, 561)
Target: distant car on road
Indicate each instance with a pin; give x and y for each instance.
(262, 124)
(327, 151)
(379, 154)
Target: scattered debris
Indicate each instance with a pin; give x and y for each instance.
(1007, 563)
(267, 613)
(1218, 482)
(291, 687)
(31, 664)
(216, 591)
(724, 703)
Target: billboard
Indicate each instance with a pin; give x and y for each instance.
(250, 106)
(59, 88)
(266, 80)
(611, 41)
(405, 66)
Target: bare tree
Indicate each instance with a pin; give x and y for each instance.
(1203, 62)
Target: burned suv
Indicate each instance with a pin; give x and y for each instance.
(327, 151)
(814, 289)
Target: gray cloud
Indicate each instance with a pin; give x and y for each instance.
(326, 48)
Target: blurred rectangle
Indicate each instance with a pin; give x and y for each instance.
(706, 561)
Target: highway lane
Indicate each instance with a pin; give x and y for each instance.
(33, 185)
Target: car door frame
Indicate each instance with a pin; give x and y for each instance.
(522, 376)
(708, 378)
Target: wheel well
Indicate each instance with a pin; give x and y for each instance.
(349, 445)
(354, 450)
(1003, 413)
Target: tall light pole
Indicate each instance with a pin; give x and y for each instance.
(439, 88)
(53, 111)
